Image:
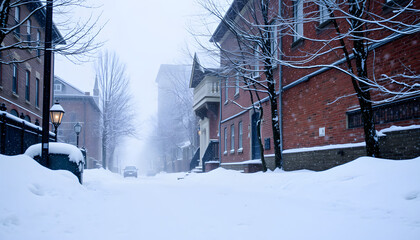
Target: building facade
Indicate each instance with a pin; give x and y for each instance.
(316, 98)
(176, 130)
(80, 107)
(21, 67)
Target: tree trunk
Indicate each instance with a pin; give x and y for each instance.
(363, 93)
(104, 150)
(362, 90)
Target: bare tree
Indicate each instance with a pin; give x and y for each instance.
(115, 103)
(359, 28)
(184, 97)
(78, 36)
(251, 58)
(176, 120)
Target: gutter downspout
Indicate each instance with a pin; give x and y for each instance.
(281, 91)
(220, 123)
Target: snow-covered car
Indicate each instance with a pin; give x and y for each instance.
(130, 171)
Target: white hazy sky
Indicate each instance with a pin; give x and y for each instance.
(145, 34)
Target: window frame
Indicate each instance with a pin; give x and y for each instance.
(17, 21)
(240, 136)
(324, 15)
(236, 83)
(28, 31)
(298, 18)
(273, 35)
(15, 75)
(256, 67)
(37, 92)
(226, 90)
(232, 138)
(225, 140)
(27, 86)
(38, 43)
(58, 87)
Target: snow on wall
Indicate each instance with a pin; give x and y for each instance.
(75, 155)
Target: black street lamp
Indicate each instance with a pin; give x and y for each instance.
(77, 130)
(56, 113)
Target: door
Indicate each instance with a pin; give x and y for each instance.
(256, 153)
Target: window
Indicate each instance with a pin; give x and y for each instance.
(38, 43)
(273, 44)
(232, 138)
(27, 85)
(14, 113)
(240, 133)
(324, 14)
(225, 143)
(237, 84)
(37, 93)
(57, 87)
(28, 31)
(255, 72)
(226, 91)
(17, 20)
(298, 19)
(401, 110)
(15, 79)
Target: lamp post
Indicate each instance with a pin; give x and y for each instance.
(47, 81)
(77, 130)
(56, 113)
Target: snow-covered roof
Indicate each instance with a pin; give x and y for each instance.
(75, 155)
(75, 89)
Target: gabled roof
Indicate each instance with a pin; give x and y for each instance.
(198, 72)
(230, 15)
(58, 79)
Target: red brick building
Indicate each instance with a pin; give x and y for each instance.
(80, 107)
(21, 70)
(317, 104)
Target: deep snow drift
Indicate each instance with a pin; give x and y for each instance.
(364, 199)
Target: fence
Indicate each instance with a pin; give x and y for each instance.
(211, 153)
(17, 134)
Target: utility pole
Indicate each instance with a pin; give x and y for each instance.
(47, 82)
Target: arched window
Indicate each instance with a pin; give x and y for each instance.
(14, 113)
(27, 118)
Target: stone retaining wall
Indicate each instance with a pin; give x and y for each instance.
(403, 144)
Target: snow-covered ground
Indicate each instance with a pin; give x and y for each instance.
(364, 199)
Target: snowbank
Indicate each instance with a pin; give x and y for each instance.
(75, 155)
(365, 199)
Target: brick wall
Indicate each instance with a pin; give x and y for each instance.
(34, 66)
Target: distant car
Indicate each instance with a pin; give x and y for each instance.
(130, 171)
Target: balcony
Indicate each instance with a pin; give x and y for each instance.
(206, 95)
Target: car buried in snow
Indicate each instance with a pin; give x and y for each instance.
(130, 171)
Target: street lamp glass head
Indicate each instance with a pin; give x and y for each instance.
(77, 128)
(56, 113)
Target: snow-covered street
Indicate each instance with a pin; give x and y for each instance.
(365, 199)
